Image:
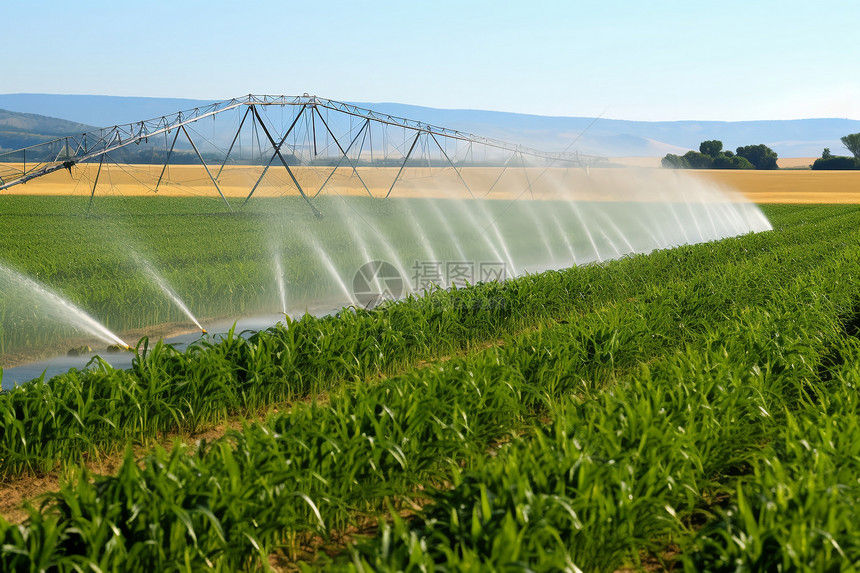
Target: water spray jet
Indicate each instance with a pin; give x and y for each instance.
(162, 284)
(59, 307)
(549, 215)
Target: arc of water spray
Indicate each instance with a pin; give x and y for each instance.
(166, 289)
(541, 231)
(332, 269)
(575, 209)
(420, 235)
(545, 169)
(620, 233)
(364, 250)
(446, 225)
(64, 308)
(501, 240)
(279, 277)
(563, 235)
(386, 244)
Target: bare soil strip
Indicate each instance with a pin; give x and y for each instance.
(16, 493)
(29, 488)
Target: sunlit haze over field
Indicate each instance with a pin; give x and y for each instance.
(623, 59)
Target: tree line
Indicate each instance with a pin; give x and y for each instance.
(830, 161)
(711, 155)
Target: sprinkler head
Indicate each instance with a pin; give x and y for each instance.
(204, 331)
(119, 347)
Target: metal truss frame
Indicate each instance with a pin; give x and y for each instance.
(94, 145)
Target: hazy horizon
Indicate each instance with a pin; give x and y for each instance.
(604, 136)
(196, 101)
(670, 61)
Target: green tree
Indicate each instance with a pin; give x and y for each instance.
(852, 144)
(672, 161)
(836, 162)
(728, 160)
(698, 160)
(721, 161)
(739, 162)
(761, 156)
(711, 148)
(830, 161)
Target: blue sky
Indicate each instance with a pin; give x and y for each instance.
(657, 60)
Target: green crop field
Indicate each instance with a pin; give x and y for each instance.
(223, 265)
(693, 409)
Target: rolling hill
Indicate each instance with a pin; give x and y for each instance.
(19, 130)
(607, 137)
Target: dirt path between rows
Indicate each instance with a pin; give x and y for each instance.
(17, 492)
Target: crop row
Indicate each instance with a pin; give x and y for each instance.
(229, 265)
(620, 467)
(220, 266)
(682, 391)
(664, 297)
(736, 453)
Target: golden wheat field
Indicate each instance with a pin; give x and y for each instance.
(793, 186)
(238, 181)
(595, 184)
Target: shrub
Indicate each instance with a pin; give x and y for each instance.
(698, 160)
(711, 148)
(761, 156)
(672, 161)
(730, 161)
(836, 162)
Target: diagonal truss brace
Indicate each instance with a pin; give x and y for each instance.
(528, 179)
(235, 138)
(277, 147)
(457, 171)
(405, 159)
(206, 167)
(363, 130)
(166, 160)
(344, 153)
(274, 155)
(499, 178)
(96, 182)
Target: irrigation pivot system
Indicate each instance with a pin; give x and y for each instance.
(277, 138)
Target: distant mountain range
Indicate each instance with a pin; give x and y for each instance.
(31, 118)
(24, 129)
